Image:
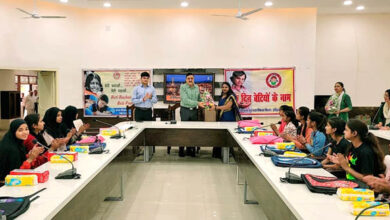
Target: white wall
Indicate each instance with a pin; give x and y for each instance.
(7, 82)
(354, 49)
(156, 39)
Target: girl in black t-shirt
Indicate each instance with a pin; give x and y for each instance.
(365, 157)
(335, 130)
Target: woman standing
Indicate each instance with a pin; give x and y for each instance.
(339, 104)
(228, 105)
(383, 119)
(228, 110)
(13, 154)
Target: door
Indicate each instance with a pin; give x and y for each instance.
(47, 91)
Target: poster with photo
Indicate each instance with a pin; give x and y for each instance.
(108, 92)
(262, 91)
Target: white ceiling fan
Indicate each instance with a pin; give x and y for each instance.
(240, 15)
(35, 15)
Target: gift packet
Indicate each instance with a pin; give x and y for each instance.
(355, 194)
(21, 180)
(79, 148)
(74, 154)
(42, 176)
(61, 158)
(293, 154)
(285, 145)
(382, 210)
(263, 133)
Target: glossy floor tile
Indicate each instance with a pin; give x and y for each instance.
(170, 187)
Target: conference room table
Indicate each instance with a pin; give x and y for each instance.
(79, 198)
(383, 138)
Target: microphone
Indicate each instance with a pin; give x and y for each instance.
(372, 126)
(294, 178)
(117, 136)
(278, 123)
(67, 174)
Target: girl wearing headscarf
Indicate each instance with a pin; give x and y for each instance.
(13, 154)
(71, 114)
(36, 127)
(53, 130)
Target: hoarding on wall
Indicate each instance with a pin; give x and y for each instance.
(108, 92)
(262, 91)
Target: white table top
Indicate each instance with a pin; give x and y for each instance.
(302, 202)
(385, 134)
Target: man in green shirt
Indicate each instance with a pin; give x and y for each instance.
(189, 102)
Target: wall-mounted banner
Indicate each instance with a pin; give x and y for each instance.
(262, 91)
(108, 92)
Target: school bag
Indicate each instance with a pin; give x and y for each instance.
(302, 162)
(325, 184)
(12, 207)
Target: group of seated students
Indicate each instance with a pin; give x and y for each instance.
(19, 148)
(354, 152)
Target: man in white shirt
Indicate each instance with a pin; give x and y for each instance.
(29, 103)
(36, 98)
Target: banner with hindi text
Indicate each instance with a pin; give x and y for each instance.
(262, 91)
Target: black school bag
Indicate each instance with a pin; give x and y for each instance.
(12, 207)
(325, 184)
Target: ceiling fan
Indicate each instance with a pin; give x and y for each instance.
(35, 15)
(240, 15)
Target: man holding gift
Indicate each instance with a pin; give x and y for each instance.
(189, 102)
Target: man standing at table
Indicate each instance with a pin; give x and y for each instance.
(189, 101)
(144, 96)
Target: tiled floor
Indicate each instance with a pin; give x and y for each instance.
(171, 188)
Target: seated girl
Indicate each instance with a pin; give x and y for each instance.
(280, 130)
(53, 120)
(335, 129)
(70, 115)
(316, 121)
(365, 157)
(36, 127)
(13, 154)
(303, 131)
(290, 130)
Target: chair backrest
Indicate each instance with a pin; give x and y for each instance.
(132, 110)
(171, 111)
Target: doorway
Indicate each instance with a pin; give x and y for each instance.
(47, 94)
